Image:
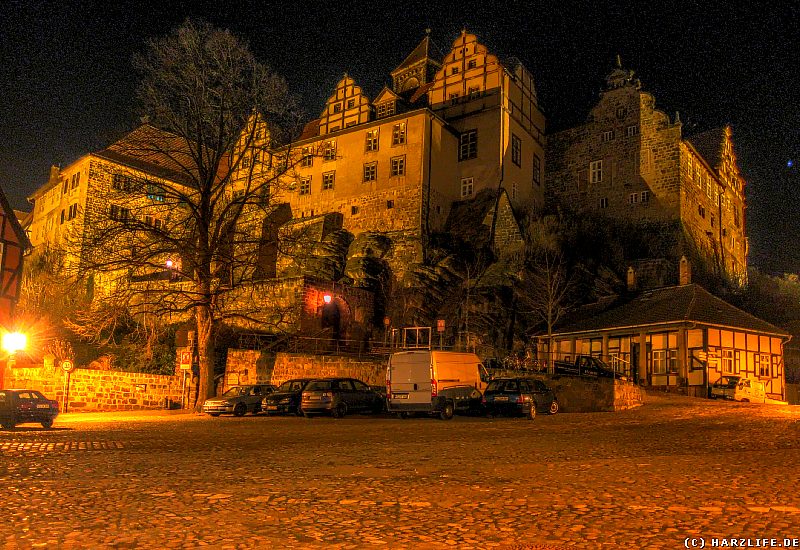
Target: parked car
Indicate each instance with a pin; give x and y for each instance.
(238, 400)
(515, 396)
(286, 398)
(339, 396)
(752, 391)
(724, 388)
(434, 382)
(22, 406)
(585, 365)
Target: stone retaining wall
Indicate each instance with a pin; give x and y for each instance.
(95, 390)
(588, 394)
(251, 367)
(574, 394)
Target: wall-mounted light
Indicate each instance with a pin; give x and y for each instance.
(327, 298)
(170, 264)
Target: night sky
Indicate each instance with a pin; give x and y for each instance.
(67, 83)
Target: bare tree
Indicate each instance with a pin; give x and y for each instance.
(194, 217)
(543, 289)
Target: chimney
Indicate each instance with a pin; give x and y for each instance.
(631, 279)
(55, 171)
(685, 274)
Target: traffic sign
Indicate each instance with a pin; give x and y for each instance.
(440, 325)
(67, 365)
(186, 360)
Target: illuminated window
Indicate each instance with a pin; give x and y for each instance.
(727, 361)
(468, 145)
(372, 140)
(328, 179)
(516, 150)
(399, 133)
(398, 166)
(329, 150)
(305, 186)
(596, 171)
(385, 109)
(155, 192)
(370, 171)
(307, 159)
(467, 187)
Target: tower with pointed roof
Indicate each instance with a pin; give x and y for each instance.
(629, 160)
(418, 68)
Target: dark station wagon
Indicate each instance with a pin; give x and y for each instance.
(515, 396)
(339, 396)
(23, 406)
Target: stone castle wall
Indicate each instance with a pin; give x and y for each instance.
(94, 390)
(252, 366)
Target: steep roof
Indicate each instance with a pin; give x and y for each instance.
(689, 303)
(426, 49)
(709, 144)
(12, 219)
(153, 151)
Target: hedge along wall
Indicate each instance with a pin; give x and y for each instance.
(95, 390)
(252, 367)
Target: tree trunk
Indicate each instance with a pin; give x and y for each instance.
(205, 350)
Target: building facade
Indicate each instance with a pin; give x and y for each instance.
(678, 337)
(630, 160)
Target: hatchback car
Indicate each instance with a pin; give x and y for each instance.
(238, 400)
(22, 406)
(286, 398)
(723, 388)
(515, 396)
(339, 396)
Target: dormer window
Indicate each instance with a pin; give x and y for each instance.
(337, 107)
(385, 109)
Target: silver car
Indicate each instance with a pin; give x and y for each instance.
(724, 388)
(238, 400)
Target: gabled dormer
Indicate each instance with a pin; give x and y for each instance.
(347, 107)
(418, 67)
(385, 104)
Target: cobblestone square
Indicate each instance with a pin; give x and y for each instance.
(644, 478)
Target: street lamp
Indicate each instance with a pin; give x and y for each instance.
(14, 342)
(327, 298)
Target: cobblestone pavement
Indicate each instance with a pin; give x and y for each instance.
(645, 478)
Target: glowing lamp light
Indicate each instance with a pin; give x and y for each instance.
(327, 298)
(169, 264)
(14, 341)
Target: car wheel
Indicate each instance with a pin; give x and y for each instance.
(240, 409)
(47, 424)
(447, 411)
(532, 412)
(403, 415)
(213, 414)
(553, 407)
(745, 400)
(307, 415)
(339, 410)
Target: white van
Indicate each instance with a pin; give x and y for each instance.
(434, 382)
(751, 391)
